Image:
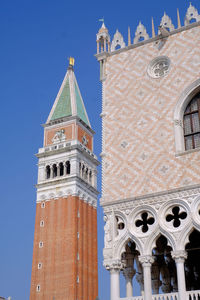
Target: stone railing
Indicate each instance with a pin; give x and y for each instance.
(191, 295)
(171, 296)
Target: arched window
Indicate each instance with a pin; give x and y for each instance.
(61, 169)
(68, 167)
(90, 176)
(191, 123)
(48, 172)
(54, 170)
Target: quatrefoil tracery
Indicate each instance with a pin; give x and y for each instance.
(176, 216)
(144, 222)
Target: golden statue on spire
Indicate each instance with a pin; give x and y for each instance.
(71, 61)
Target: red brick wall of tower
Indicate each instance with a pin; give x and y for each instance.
(69, 252)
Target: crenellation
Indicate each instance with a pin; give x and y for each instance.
(141, 35)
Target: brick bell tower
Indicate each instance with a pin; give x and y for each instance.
(65, 242)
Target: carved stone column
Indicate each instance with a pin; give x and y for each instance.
(179, 257)
(146, 262)
(51, 171)
(114, 266)
(58, 169)
(128, 273)
(97, 47)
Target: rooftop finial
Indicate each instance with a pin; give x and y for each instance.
(71, 62)
(178, 19)
(129, 36)
(102, 20)
(153, 28)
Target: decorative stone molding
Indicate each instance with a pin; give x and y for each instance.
(152, 199)
(113, 265)
(140, 34)
(107, 232)
(84, 140)
(144, 221)
(192, 13)
(188, 201)
(178, 123)
(146, 260)
(159, 67)
(65, 190)
(117, 41)
(174, 215)
(179, 256)
(167, 22)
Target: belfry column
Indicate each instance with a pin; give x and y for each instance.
(179, 257)
(146, 262)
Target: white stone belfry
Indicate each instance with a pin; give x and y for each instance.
(117, 41)
(192, 14)
(140, 34)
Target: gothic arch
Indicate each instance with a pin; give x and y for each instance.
(120, 246)
(184, 237)
(151, 242)
(179, 110)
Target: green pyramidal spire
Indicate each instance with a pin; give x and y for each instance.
(69, 101)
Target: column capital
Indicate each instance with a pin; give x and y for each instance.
(179, 256)
(114, 265)
(146, 260)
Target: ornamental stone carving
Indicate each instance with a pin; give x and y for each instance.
(84, 140)
(140, 34)
(59, 136)
(159, 67)
(175, 217)
(146, 260)
(178, 123)
(107, 232)
(192, 14)
(179, 256)
(114, 264)
(117, 41)
(167, 22)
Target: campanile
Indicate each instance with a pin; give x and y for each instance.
(65, 241)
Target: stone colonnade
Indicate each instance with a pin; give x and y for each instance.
(146, 262)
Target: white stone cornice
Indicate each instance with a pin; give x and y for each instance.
(66, 189)
(158, 198)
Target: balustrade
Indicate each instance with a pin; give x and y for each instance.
(190, 295)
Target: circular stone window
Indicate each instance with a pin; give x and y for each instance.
(159, 67)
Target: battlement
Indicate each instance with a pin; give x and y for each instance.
(166, 28)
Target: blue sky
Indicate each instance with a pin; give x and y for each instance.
(36, 38)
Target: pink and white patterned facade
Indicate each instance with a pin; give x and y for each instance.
(150, 182)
